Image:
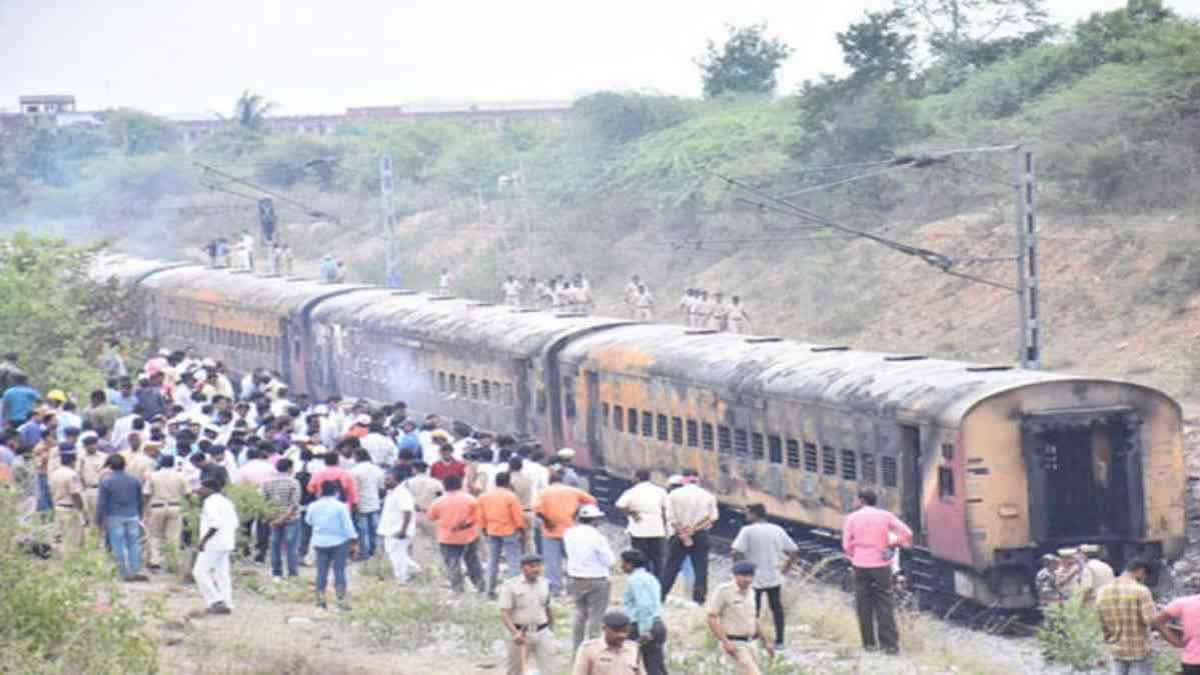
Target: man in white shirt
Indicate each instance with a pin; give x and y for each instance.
(693, 513)
(368, 478)
(773, 553)
(539, 479)
(589, 560)
(219, 523)
(381, 449)
(649, 510)
(395, 525)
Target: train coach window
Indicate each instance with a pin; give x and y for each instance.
(486, 390)
(887, 466)
(475, 391)
(741, 445)
(453, 384)
(618, 418)
(693, 434)
(706, 435)
(648, 424)
(510, 398)
(828, 461)
(775, 446)
(947, 450)
(945, 482)
(757, 450)
(724, 440)
(849, 465)
(441, 380)
(793, 454)
(662, 428)
(810, 457)
(867, 468)
(569, 396)
(463, 386)
(677, 430)
(605, 412)
(541, 401)
(633, 421)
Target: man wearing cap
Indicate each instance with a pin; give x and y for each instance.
(525, 611)
(693, 513)
(165, 490)
(90, 465)
(865, 539)
(66, 491)
(556, 507)
(396, 524)
(642, 602)
(1098, 573)
(648, 509)
(1046, 581)
(731, 618)
(136, 462)
(219, 526)
(569, 476)
(612, 654)
(589, 560)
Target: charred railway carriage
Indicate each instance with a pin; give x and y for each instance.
(990, 465)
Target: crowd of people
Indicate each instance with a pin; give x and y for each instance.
(278, 259)
(347, 480)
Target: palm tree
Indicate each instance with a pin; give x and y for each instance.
(251, 110)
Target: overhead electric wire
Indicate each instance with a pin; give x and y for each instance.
(309, 210)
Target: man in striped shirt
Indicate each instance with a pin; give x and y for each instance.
(282, 493)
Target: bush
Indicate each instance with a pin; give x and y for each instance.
(1071, 635)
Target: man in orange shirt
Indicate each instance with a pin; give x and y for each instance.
(504, 523)
(457, 516)
(556, 506)
(333, 472)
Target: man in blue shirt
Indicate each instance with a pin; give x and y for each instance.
(333, 538)
(410, 441)
(642, 602)
(124, 397)
(18, 401)
(119, 514)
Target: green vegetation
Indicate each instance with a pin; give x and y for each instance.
(1071, 635)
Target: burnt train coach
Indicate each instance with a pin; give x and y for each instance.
(991, 465)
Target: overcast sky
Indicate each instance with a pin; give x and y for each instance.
(316, 56)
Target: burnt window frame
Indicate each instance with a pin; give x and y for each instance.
(867, 470)
(829, 457)
(660, 428)
(724, 440)
(647, 424)
(569, 407)
(605, 413)
(693, 433)
(849, 465)
(946, 486)
(618, 418)
(632, 418)
(812, 458)
(677, 430)
(889, 471)
(758, 446)
(708, 438)
(775, 449)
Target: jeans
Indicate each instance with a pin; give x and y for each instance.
(43, 493)
(555, 553)
(287, 535)
(367, 523)
(511, 546)
(335, 557)
(455, 555)
(1140, 667)
(653, 654)
(775, 600)
(125, 540)
(305, 532)
(261, 530)
(698, 554)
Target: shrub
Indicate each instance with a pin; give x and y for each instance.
(1071, 635)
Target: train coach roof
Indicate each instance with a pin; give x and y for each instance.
(243, 289)
(421, 316)
(752, 366)
(127, 270)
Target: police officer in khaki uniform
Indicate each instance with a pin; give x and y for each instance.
(66, 492)
(613, 654)
(91, 468)
(165, 490)
(732, 621)
(718, 316)
(137, 464)
(525, 610)
(425, 490)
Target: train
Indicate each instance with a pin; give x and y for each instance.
(991, 465)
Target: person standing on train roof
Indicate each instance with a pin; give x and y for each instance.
(648, 509)
(773, 553)
(328, 269)
(865, 541)
(445, 282)
(631, 295)
(693, 513)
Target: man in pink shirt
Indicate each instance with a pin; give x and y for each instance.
(865, 541)
(1187, 611)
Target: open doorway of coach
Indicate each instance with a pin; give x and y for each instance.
(1085, 475)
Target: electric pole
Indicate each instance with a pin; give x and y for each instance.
(386, 188)
(1030, 356)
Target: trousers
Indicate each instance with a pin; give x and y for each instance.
(455, 556)
(744, 661)
(591, 598)
(124, 538)
(164, 525)
(876, 608)
(212, 577)
(652, 549)
(397, 551)
(70, 526)
(510, 546)
(332, 557)
(775, 600)
(538, 644)
(555, 554)
(654, 656)
(698, 554)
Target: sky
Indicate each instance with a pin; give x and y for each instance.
(320, 57)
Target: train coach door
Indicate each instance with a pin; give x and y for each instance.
(910, 477)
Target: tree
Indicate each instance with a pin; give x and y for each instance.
(138, 133)
(613, 117)
(745, 63)
(950, 25)
(879, 46)
(251, 110)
